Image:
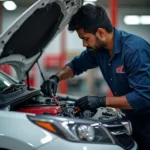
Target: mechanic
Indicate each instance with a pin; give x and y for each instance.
(124, 60)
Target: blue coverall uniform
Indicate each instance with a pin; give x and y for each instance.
(127, 72)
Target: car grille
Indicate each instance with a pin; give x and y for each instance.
(121, 136)
(125, 141)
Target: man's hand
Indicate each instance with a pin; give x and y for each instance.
(49, 87)
(91, 102)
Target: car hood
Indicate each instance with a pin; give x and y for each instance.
(24, 42)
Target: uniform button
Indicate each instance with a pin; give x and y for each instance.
(111, 79)
(109, 64)
(115, 93)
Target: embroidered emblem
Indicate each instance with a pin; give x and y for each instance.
(120, 69)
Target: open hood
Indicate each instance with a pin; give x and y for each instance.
(24, 42)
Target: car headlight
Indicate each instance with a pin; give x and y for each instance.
(75, 130)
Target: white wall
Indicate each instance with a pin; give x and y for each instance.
(141, 30)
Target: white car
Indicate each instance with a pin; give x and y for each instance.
(31, 121)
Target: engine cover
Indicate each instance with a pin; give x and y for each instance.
(51, 110)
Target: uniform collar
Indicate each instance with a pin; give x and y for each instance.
(117, 44)
(117, 41)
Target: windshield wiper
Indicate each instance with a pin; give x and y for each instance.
(12, 87)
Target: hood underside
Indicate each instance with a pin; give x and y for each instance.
(24, 42)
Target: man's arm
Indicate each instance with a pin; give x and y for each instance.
(65, 73)
(118, 102)
(94, 102)
(86, 60)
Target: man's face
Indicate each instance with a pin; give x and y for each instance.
(90, 40)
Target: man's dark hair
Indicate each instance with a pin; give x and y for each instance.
(90, 18)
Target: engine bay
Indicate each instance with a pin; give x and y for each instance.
(63, 105)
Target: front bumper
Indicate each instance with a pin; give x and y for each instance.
(66, 145)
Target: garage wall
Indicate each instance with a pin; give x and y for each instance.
(141, 30)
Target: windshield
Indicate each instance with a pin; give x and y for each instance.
(5, 81)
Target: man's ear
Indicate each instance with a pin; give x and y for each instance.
(100, 33)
